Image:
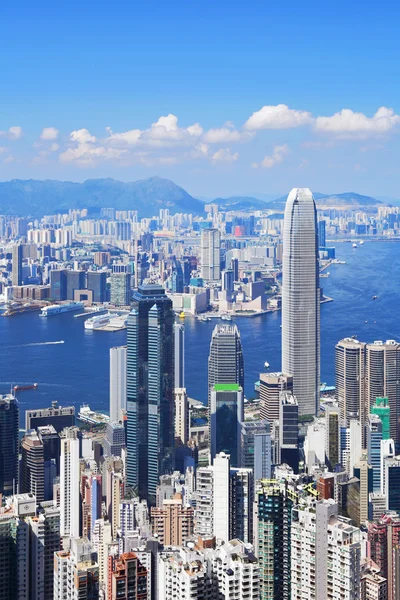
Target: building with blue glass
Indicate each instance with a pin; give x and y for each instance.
(150, 385)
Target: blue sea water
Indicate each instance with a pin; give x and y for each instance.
(77, 371)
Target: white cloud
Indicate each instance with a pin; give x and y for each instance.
(3, 150)
(224, 155)
(347, 124)
(128, 137)
(12, 133)
(82, 136)
(277, 117)
(49, 134)
(225, 135)
(278, 154)
(84, 151)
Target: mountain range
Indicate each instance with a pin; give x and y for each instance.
(147, 196)
(37, 198)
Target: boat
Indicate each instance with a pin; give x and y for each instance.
(56, 309)
(354, 245)
(361, 242)
(266, 365)
(97, 322)
(182, 315)
(375, 297)
(202, 318)
(90, 416)
(226, 317)
(21, 388)
(365, 321)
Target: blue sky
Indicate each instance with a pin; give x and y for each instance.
(222, 97)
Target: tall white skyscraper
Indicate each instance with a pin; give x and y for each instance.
(301, 299)
(210, 254)
(69, 484)
(117, 382)
(179, 351)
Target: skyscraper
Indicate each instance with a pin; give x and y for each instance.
(150, 386)
(382, 379)
(225, 361)
(17, 250)
(118, 366)
(210, 254)
(271, 387)
(179, 335)
(350, 380)
(226, 416)
(69, 483)
(9, 435)
(301, 299)
(120, 289)
(381, 408)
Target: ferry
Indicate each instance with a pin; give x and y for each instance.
(56, 309)
(266, 365)
(90, 416)
(354, 245)
(98, 322)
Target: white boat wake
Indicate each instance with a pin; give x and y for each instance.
(36, 344)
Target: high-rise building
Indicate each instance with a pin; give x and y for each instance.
(350, 383)
(289, 431)
(57, 416)
(76, 574)
(182, 418)
(150, 385)
(69, 483)
(301, 299)
(226, 416)
(17, 251)
(75, 281)
(325, 554)
(118, 373)
(210, 254)
(9, 439)
(374, 438)
(364, 472)
(120, 289)
(114, 440)
(225, 570)
(58, 284)
(274, 501)
(97, 283)
(224, 499)
(382, 375)
(128, 578)
(381, 408)
(383, 539)
(173, 522)
(332, 448)
(225, 361)
(321, 233)
(179, 363)
(32, 465)
(392, 483)
(176, 277)
(271, 386)
(256, 448)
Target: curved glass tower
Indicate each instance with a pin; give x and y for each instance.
(301, 299)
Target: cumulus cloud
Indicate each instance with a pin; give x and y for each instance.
(12, 133)
(277, 156)
(49, 134)
(347, 123)
(277, 117)
(224, 155)
(226, 135)
(84, 150)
